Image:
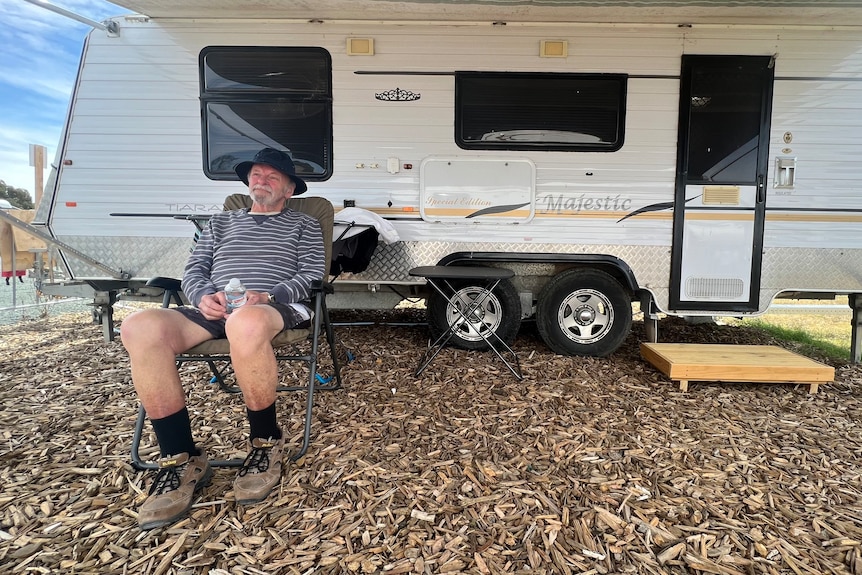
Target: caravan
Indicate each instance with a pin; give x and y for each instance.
(699, 161)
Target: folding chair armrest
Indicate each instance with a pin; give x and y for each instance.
(172, 287)
(321, 286)
(172, 284)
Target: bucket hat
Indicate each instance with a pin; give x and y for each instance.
(277, 159)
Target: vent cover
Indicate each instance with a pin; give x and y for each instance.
(721, 195)
(718, 289)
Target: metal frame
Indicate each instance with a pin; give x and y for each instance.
(315, 383)
(438, 278)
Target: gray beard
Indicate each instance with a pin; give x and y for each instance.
(267, 203)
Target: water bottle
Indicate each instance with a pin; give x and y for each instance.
(234, 292)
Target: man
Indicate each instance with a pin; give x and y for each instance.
(276, 253)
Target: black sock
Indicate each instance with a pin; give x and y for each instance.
(174, 434)
(264, 423)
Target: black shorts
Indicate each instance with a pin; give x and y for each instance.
(289, 316)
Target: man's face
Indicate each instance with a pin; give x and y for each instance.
(268, 187)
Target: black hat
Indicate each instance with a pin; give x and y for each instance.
(277, 159)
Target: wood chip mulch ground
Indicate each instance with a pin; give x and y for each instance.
(588, 466)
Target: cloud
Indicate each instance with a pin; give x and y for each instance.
(38, 66)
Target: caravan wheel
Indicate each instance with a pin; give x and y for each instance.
(499, 314)
(583, 312)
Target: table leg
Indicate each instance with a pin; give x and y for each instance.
(464, 318)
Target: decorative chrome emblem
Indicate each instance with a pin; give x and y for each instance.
(397, 95)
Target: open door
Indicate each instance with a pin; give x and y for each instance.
(720, 199)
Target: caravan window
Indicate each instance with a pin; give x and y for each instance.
(253, 98)
(539, 111)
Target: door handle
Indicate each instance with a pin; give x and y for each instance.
(761, 190)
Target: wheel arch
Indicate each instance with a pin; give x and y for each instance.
(612, 265)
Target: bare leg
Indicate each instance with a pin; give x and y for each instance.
(153, 337)
(250, 330)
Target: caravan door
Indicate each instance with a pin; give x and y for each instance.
(720, 197)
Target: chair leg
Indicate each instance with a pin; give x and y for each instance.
(333, 352)
(321, 318)
(312, 380)
(306, 430)
(137, 462)
(331, 340)
(219, 376)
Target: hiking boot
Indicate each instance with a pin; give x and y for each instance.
(170, 497)
(260, 472)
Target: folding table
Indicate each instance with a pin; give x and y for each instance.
(469, 311)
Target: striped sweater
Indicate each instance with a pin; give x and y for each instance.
(281, 254)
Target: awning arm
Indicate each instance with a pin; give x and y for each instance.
(108, 26)
(36, 232)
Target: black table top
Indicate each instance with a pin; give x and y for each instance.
(462, 272)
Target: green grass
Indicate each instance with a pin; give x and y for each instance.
(828, 345)
(824, 332)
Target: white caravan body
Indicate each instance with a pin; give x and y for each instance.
(686, 228)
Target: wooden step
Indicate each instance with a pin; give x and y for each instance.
(686, 362)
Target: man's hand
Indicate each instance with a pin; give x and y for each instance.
(214, 306)
(256, 297)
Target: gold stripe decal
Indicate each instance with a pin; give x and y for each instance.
(809, 217)
(642, 213)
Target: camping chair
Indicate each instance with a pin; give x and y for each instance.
(217, 352)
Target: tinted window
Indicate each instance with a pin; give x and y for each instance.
(725, 117)
(523, 111)
(252, 98)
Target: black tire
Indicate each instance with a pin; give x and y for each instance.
(499, 315)
(584, 312)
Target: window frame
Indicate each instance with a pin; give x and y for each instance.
(266, 96)
(534, 77)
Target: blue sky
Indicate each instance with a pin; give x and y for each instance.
(38, 65)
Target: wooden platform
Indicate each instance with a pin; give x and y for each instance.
(686, 362)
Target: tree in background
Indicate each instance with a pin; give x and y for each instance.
(18, 197)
